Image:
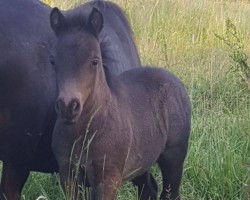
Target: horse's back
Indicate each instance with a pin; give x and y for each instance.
(151, 78)
(22, 22)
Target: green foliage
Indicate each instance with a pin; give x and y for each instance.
(236, 52)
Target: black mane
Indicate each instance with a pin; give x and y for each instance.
(119, 52)
(77, 17)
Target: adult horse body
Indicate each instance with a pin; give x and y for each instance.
(28, 86)
(113, 128)
(27, 93)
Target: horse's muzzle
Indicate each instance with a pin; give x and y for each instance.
(70, 112)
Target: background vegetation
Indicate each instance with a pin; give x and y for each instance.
(206, 44)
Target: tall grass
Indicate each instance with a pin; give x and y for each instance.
(179, 35)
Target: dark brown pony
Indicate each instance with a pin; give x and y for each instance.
(114, 128)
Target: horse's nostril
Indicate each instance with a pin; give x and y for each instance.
(59, 106)
(68, 112)
(75, 106)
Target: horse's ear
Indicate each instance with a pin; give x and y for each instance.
(57, 20)
(95, 21)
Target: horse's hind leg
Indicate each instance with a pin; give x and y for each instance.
(147, 186)
(171, 165)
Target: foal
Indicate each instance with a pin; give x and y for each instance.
(114, 128)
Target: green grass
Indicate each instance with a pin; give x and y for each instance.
(179, 35)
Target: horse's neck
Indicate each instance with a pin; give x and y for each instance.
(95, 113)
(100, 97)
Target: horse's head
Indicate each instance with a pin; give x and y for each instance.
(77, 61)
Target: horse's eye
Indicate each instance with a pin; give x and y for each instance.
(95, 62)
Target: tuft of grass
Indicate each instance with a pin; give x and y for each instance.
(236, 52)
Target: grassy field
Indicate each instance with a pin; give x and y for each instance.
(182, 36)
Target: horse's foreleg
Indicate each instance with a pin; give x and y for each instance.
(12, 181)
(107, 183)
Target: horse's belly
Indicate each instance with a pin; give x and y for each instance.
(138, 163)
(133, 170)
